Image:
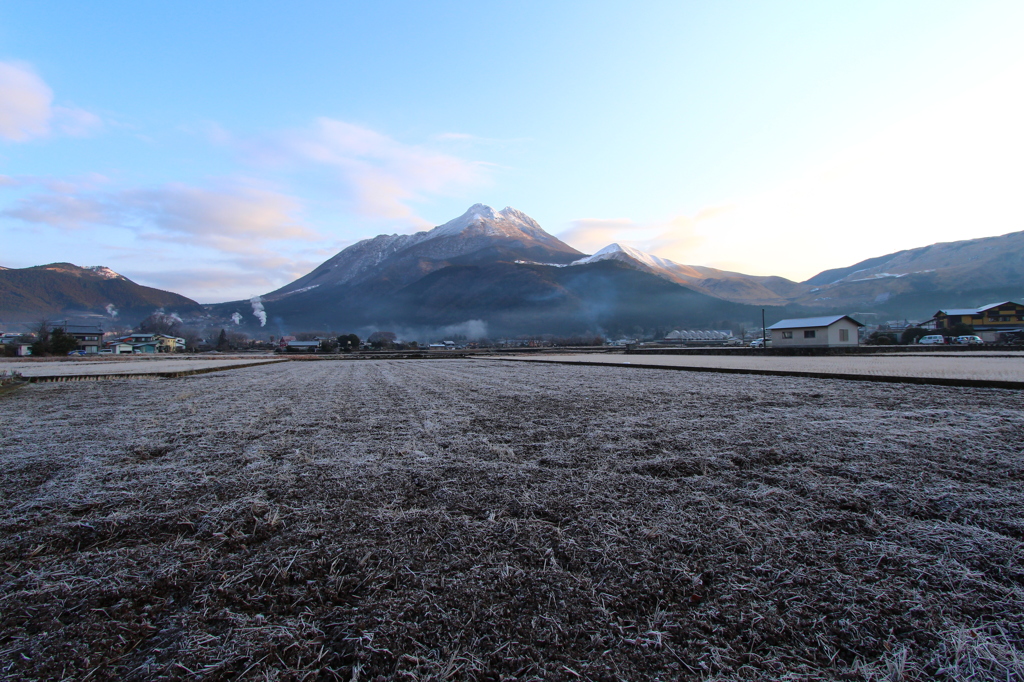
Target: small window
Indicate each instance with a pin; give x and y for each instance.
(808, 333)
(787, 335)
(844, 334)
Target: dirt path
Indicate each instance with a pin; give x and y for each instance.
(467, 519)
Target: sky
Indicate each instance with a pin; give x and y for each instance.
(221, 150)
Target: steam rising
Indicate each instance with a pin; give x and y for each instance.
(258, 311)
(471, 329)
(112, 311)
(236, 318)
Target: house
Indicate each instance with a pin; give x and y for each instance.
(120, 347)
(302, 346)
(169, 344)
(822, 332)
(992, 318)
(89, 338)
(145, 348)
(138, 338)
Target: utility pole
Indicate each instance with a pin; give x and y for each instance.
(764, 333)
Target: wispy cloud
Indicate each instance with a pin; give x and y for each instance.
(231, 218)
(593, 234)
(379, 176)
(27, 110)
(673, 239)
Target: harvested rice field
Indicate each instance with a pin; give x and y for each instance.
(489, 520)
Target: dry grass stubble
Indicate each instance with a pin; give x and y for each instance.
(486, 520)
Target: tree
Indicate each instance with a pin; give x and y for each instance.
(382, 339)
(41, 331)
(960, 329)
(881, 339)
(52, 340)
(161, 323)
(912, 335)
(62, 343)
(222, 340)
(192, 339)
(348, 342)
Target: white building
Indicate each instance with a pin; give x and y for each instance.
(821, 332)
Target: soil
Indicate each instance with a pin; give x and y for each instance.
(488, 520)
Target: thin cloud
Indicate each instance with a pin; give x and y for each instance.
(593, 234)
(674, 239)
(27, 111)
(230, 218)
(378, 176)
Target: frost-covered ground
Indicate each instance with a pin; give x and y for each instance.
(83, 366)
(994, 367)
(476, 519)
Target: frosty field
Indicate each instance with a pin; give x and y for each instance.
(491, 520)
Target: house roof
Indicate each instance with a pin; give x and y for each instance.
(976, 311)
(802, 322)
(996, 305)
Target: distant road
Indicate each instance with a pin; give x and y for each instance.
(996, 370)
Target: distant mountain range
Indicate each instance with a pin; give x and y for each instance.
(95, 294)
(499, 271)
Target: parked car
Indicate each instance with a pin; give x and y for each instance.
(759, 343)
(970, 340)
(106, 351)
(932, 338)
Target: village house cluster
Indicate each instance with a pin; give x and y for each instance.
(996, 323)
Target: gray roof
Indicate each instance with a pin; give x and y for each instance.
(803, 322)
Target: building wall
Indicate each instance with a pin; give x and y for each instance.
(823, 336)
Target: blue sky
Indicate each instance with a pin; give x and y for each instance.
(223, 149)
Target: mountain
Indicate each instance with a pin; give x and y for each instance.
(480, 235)
(66, 291)
(503, 269)
(496, 267)
(916, 282)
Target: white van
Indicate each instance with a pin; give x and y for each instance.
(933, 338)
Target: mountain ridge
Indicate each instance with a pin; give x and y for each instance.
(82, 293)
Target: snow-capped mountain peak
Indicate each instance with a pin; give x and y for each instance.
(508, 222)
(619, 252)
